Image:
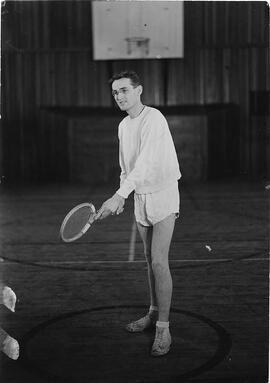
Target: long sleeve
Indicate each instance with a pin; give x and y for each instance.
(123, 173)
(146, 163)
(154, 164)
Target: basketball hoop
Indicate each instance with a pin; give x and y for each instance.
(139, 46)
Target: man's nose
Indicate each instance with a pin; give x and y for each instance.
(119, 95)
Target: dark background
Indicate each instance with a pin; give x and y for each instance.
(59, 123)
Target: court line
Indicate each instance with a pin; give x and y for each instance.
(80, 243)
(143, 261)
(223, 346)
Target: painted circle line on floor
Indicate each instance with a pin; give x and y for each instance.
(223, 347)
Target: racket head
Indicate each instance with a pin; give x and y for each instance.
(77, 222)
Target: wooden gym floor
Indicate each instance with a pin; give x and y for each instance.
(75, 299)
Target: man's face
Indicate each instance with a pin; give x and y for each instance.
(125, 94)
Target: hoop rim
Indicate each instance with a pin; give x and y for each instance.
(137, 39)
(69, 214)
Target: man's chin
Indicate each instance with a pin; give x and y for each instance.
(123, 107)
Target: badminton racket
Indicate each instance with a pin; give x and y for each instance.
(77, 222)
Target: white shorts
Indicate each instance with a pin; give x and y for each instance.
(152, 208)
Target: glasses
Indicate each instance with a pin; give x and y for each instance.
(123, 91)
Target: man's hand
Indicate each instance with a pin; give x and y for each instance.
(113, 205)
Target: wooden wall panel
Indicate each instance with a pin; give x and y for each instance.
(205, 141)
(223, 142)
(226, 59)
(66, 24)
(47, 61)
(43, 25)
(187, 83)
(190, 138)
(226, 23)
(259, 152)
(212, 76)
(93, 163)
(96, 164)
(244, 110)
(176, 90)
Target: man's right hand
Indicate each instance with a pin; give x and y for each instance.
(114, 205)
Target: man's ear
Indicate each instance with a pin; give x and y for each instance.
(140, 89)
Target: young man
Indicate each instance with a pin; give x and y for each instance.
(150, 168)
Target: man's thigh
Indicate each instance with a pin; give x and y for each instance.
(146, 235)
(162, 236)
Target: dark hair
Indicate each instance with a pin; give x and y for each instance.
(134, 78)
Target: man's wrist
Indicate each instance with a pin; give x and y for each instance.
(119, 197)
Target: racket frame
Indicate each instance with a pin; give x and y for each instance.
(85, 227)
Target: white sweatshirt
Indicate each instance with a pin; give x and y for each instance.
(147, 155)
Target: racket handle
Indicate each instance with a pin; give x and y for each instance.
(92, 219)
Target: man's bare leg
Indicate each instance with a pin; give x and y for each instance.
(161, 240)
(149, 320)
(146, 233)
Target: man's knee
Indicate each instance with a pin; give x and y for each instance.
(159, 253)
(160, 266)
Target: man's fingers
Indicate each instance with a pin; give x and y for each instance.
(99, 213)
(109, 207)
(102, 213)
(105, 214)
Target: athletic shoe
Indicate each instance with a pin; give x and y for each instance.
(162, 342)
(145, 323)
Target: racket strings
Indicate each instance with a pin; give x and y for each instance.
(76, 222)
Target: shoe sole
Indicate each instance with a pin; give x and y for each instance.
(149, 328)
(156, 355)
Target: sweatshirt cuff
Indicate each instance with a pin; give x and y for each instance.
(124, 190)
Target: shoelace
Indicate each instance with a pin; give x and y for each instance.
(159, 336)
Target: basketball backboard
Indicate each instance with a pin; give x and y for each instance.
(137, 29)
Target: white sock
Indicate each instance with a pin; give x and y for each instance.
(153, 308)
(162, 324)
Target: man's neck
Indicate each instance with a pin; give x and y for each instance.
(136, 110)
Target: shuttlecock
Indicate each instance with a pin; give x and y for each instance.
(208, 247)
